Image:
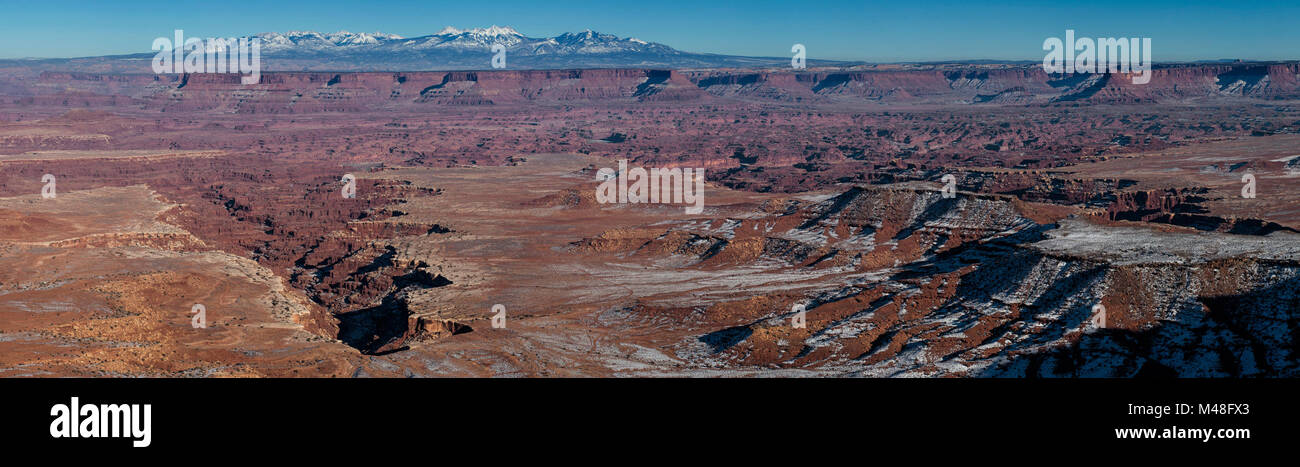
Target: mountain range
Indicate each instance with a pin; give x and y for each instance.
(451, 49)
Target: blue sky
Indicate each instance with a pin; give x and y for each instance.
(842, 30)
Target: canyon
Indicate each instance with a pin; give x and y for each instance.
(824, 193)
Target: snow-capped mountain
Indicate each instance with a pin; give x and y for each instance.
(449, 49)
(587, 42)
(477, 37)
(453, 48)
(275, 42)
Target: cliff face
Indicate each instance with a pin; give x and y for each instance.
(288, 219)
(1204, 305)
(973, 288)
(320, 91)
(1013, 85)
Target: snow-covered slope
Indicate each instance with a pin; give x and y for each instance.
(453, 48)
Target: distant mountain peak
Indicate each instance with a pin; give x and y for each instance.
(491, 31)
(456, 48)
(348, 38)
(495, 30)
(273, 41)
